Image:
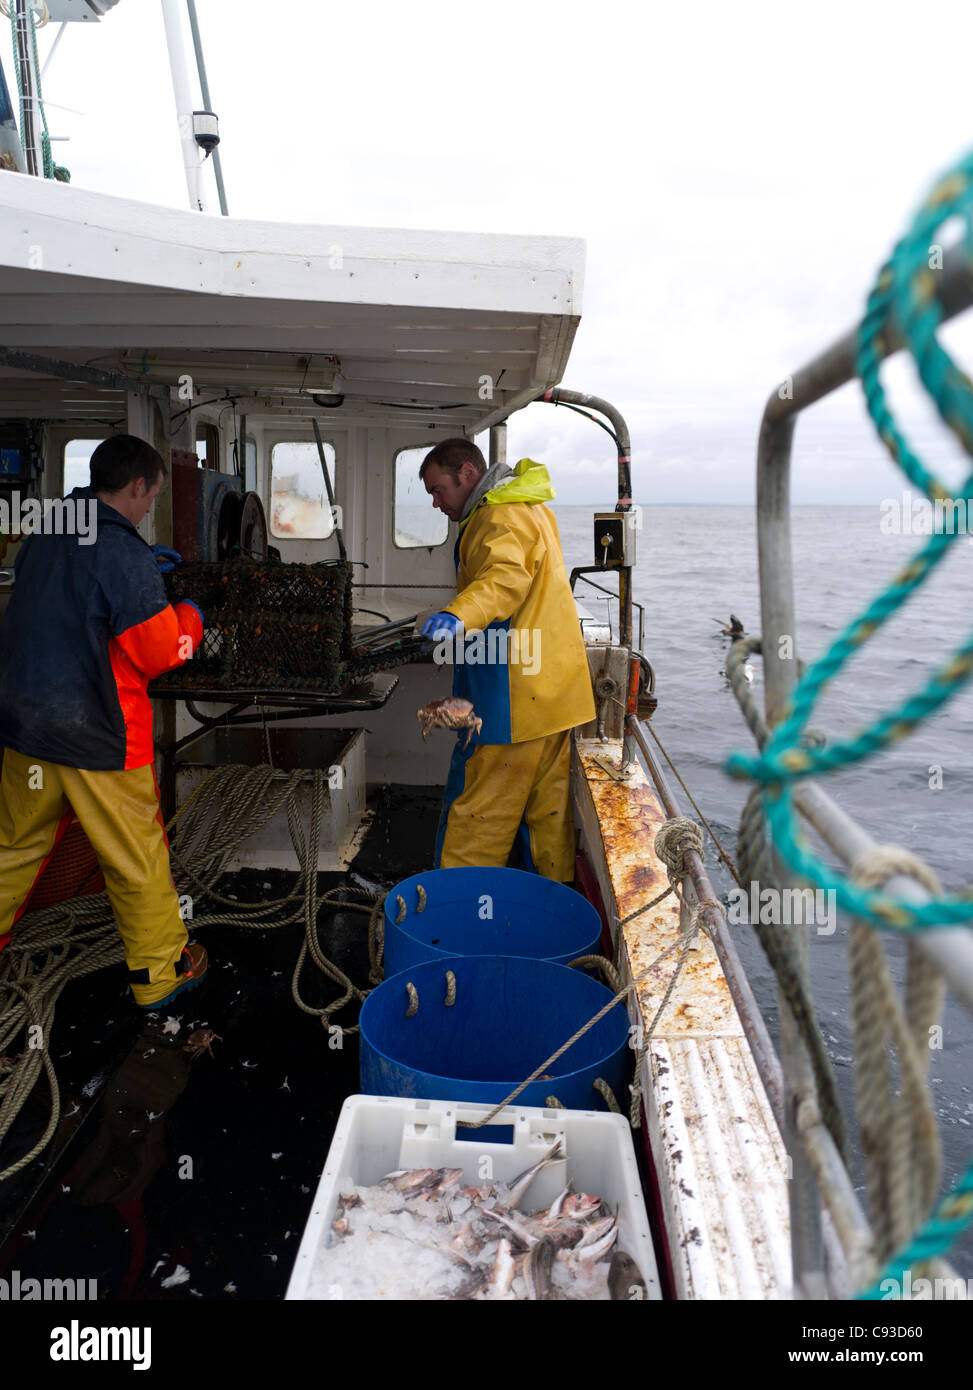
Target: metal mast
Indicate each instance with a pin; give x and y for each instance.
(171, 13)
(204, 89)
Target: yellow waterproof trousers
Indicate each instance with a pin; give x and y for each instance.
(119, 813)
(497, 793)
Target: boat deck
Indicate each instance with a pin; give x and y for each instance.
(204, 1169)
(164, 1164)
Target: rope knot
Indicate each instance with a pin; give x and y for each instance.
(698, 922)
(673, 839)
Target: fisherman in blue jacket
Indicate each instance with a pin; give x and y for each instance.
(88, 626)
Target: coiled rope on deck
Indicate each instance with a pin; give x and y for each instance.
(228, 807)
(50, 948)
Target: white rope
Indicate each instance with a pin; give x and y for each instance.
(899, 1132)
(75, 938)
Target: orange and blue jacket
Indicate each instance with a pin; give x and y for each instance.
(88, 626)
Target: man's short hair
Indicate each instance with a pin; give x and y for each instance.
(123, 458)
(451, 454)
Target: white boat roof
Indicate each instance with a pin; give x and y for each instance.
(426, 319)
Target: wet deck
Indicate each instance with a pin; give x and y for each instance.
(201, 1168)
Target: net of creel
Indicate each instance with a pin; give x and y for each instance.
(274, 626)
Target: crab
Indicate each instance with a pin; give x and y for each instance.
(449, 713)
(200, 1041)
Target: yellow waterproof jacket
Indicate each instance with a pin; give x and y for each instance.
(523, 663)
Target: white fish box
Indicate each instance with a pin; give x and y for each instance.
(376, 1135)
(340, 753)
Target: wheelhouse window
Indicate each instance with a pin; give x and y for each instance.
(299, 507)
(208, 446)
(250, 464)
(417, 522)
(77, 460)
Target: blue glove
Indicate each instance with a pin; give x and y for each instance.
(195, 607)
(168, 559)
(442, 627)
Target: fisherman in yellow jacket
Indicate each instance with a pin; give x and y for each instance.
(514, 637)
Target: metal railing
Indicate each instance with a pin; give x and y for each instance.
(698, 881)
(950, 949)
(583, 404)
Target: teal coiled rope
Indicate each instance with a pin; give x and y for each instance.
(935, 1237)
(905, 290)
(904, 287)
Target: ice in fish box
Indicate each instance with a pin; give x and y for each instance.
(471, 1223)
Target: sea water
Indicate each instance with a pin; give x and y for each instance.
(699, 563)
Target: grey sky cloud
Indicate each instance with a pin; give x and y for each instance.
(739, 173)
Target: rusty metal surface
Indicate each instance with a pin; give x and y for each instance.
(716, 1149)
(629, 815)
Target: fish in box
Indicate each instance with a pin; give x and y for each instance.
(412, 1206)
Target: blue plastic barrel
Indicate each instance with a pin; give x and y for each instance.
(510, 1014)
(486, 912)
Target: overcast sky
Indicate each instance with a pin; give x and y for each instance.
(739, 171)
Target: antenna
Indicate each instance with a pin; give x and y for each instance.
(204, 88)
(185, 106)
